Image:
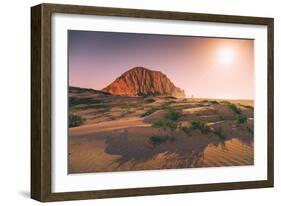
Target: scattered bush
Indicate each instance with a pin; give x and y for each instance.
(149, 112)
(219, 133)
(187, 130)
(234, 108)
(166, 106)
(149, 94)
(242, 119)
(173, 114)
(202, 126)
(156, 140)
(75, 120)
(165, 124)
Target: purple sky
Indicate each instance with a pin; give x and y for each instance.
(203, 67)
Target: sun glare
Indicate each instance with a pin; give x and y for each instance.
(226, 55)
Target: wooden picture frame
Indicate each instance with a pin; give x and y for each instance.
(41, 95)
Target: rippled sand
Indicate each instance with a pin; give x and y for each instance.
(117, 131)
(122, 151)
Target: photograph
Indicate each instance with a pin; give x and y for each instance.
(154, 101)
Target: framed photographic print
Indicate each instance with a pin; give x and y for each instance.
(132, 102)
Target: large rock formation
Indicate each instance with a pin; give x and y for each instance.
(140, 81)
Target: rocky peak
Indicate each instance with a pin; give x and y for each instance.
(140, 81)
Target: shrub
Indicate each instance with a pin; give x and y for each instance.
(242, 119)
(156, 140)
(173, 114)
(75, 120)
(187, 130)
(165, 124)
(166, 106)
(149, 94)
(234, 108)
(219, 133)
(149, 112)
(202, 126)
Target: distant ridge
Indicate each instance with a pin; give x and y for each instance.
(140, 81)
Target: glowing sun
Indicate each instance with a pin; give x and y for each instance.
(225, 55)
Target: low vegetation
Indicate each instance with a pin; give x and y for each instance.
(75, 120)
(200, 125)
(234, 108)
(163, 123)
(187, 130)
(149, 112)
(157, 140)
(149, 94)
(219, 133)
(242, 119)
(173, 114)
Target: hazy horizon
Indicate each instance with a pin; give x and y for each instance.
(216, 68)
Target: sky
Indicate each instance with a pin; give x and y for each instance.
(204, 67)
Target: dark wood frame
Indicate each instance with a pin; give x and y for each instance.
(41, 101)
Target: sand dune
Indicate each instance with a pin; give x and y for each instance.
(107, 126)
(117, 131)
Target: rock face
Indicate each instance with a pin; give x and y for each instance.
(140, 81)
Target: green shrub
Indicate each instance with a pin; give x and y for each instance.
(75, 120)
(149, 112)
(173, 114)
(234, 108)
(156, 140)
(202, 126)
(165, 106)
(165, 124)
(187, 130)
(219, 133)
(242, 119)
(149, 94)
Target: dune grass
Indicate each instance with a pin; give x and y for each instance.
(149, 112)
(219, 133)
(75, 120)
(234, 108)
(163, 123)
(200, 125)
(173, 114)
(157, 140)
(242, 119)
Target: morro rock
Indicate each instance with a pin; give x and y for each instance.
(140, 81)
